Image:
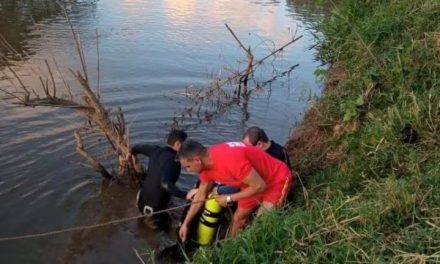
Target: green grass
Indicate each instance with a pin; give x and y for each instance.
(381, 203)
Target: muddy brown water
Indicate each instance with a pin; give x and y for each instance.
(149, 50)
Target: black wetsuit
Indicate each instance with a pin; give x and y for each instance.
(162, 174)
(277, 151)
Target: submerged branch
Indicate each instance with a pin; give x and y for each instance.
(236, 38)
(255, 64)
(22, 86)
(95, 164)
(216, 100)
(53, 80)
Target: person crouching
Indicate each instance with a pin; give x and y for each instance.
(263, 180)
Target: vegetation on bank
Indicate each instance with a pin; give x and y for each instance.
(371, 189)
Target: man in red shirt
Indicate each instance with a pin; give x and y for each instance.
(263, 180)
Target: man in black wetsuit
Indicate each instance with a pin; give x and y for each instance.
(163, 171)
(256, 136)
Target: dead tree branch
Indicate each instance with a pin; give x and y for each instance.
(255, 64)
(236, 38)
(215, 100)
(53, 80)
(111, 125)
(95, 164)
(26, 91)
(249, 69)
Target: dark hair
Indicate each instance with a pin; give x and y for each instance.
(190, 149)
(176, 135)
(256, 134)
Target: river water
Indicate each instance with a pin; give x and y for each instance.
(149, 52)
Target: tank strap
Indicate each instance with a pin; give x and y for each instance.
(208, 224)
(211, 214)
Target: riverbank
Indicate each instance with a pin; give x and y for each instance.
(367, 154)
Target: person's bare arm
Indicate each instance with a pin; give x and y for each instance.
(255, 185)
(197, 204)
(191, 193)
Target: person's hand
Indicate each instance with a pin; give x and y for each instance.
(183, 232)
(215, 191)
(221, 199)
(128, 157)
(131, 158)
(191, 193)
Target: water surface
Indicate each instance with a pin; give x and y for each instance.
(149, 50)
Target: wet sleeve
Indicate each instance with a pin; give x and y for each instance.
(170, 175)
(143, 149)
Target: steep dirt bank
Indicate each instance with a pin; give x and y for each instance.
(308, 145)
(368, 148)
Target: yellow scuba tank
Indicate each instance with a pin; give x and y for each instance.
(209, 221)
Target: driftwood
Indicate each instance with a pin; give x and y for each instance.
(215, 100)
(110, 125)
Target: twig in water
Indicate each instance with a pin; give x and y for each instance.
(98, 93)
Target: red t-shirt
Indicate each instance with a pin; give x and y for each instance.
(233, 161)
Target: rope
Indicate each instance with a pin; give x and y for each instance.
(78, 228)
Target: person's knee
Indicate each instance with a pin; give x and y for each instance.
(265, 207)
(268, 205)
(240, 219)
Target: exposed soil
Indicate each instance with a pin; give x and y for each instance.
(310, 140)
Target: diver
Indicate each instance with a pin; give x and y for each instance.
(159, 183)
(256, 136)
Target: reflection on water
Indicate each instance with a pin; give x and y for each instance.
(16, 26)
(18, 19)
(149, 51)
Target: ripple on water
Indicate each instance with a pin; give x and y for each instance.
(14, 185)
(75, 188)
(28, 193)
(44, 195)
(35, 188)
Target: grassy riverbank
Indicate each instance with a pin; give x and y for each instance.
(368, 196)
